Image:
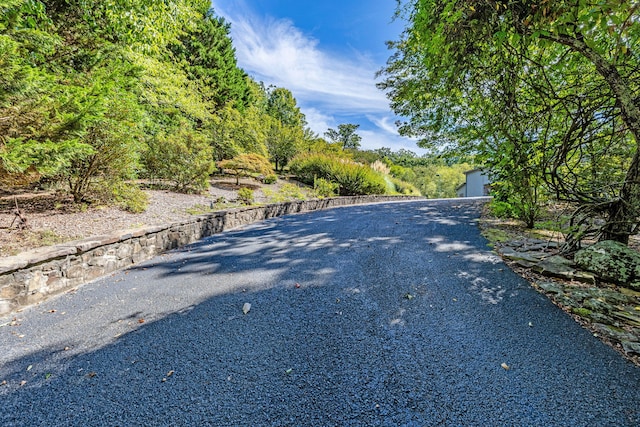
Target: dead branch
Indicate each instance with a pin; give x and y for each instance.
(19, 216)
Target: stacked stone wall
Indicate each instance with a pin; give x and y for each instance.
(32, 276)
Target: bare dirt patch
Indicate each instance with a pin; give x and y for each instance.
(53, 217)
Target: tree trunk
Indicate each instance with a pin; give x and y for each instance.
(624, 213)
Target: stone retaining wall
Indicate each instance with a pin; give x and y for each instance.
(32, 276)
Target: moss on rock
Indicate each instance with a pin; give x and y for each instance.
(611, 261)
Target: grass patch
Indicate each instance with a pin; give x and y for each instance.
(496, 235)
(286, 193)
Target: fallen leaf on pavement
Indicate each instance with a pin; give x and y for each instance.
(246, 307)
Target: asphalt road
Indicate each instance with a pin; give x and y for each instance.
(382, 315)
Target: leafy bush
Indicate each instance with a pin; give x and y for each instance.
(245, 195)
(270, 179)
(182, 157)
(502, 209)
(286, 193)
(404, 188)
(244, 164)
(352, 178)
(125, 195)
(325, 188)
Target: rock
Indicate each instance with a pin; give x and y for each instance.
(611, 261)
(617, 334)
(555, 266)
(543, 246)
(601, 318)
(627, 317)
(598, 305)
(530, 257)
(550, 287)
(631, 347)
(629, 292)
(584, 277)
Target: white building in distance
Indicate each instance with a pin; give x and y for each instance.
(477, 184)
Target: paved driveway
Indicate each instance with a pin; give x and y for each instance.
(383, 315)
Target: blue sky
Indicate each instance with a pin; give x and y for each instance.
(326, 52)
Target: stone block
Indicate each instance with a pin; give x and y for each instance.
(9, 291)
(40, 255)
(93, 272)
(125, 250)
(75, 271)
(12, 263)
(36, 281)
(6, 306)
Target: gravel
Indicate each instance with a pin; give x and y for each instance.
(382, 315)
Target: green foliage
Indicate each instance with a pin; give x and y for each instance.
(125, 195)
(181, 156)
(245, 164)
(283, 143)
(245, 195)
(502, 209)
(545, 95)
(282, 106)
(210, 61)
(270, 179)
(287, 193)
(345, 136)
(404, 188)
(325, 188)
(235, 132)
(353, 179)
(93, 94)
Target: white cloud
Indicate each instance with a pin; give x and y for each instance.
(330, 88)
(318, 121)
(277, 52)
(385, 123)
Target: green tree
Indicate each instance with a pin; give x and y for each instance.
(446, 61)
(245, 164)
(282, 106)
(210, 60)
(283, 143)
(345, 136)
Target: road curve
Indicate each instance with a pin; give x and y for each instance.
(392, 314)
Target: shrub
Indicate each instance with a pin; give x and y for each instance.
(352, 178)
(125, 195)
(245, 195)
(325, 188)
(502, 209)
(286, 193)
(182, 156)
(270, 179)
(244, 164)
(404, 188)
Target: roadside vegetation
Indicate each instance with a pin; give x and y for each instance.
(544, 95)
(97, 97)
